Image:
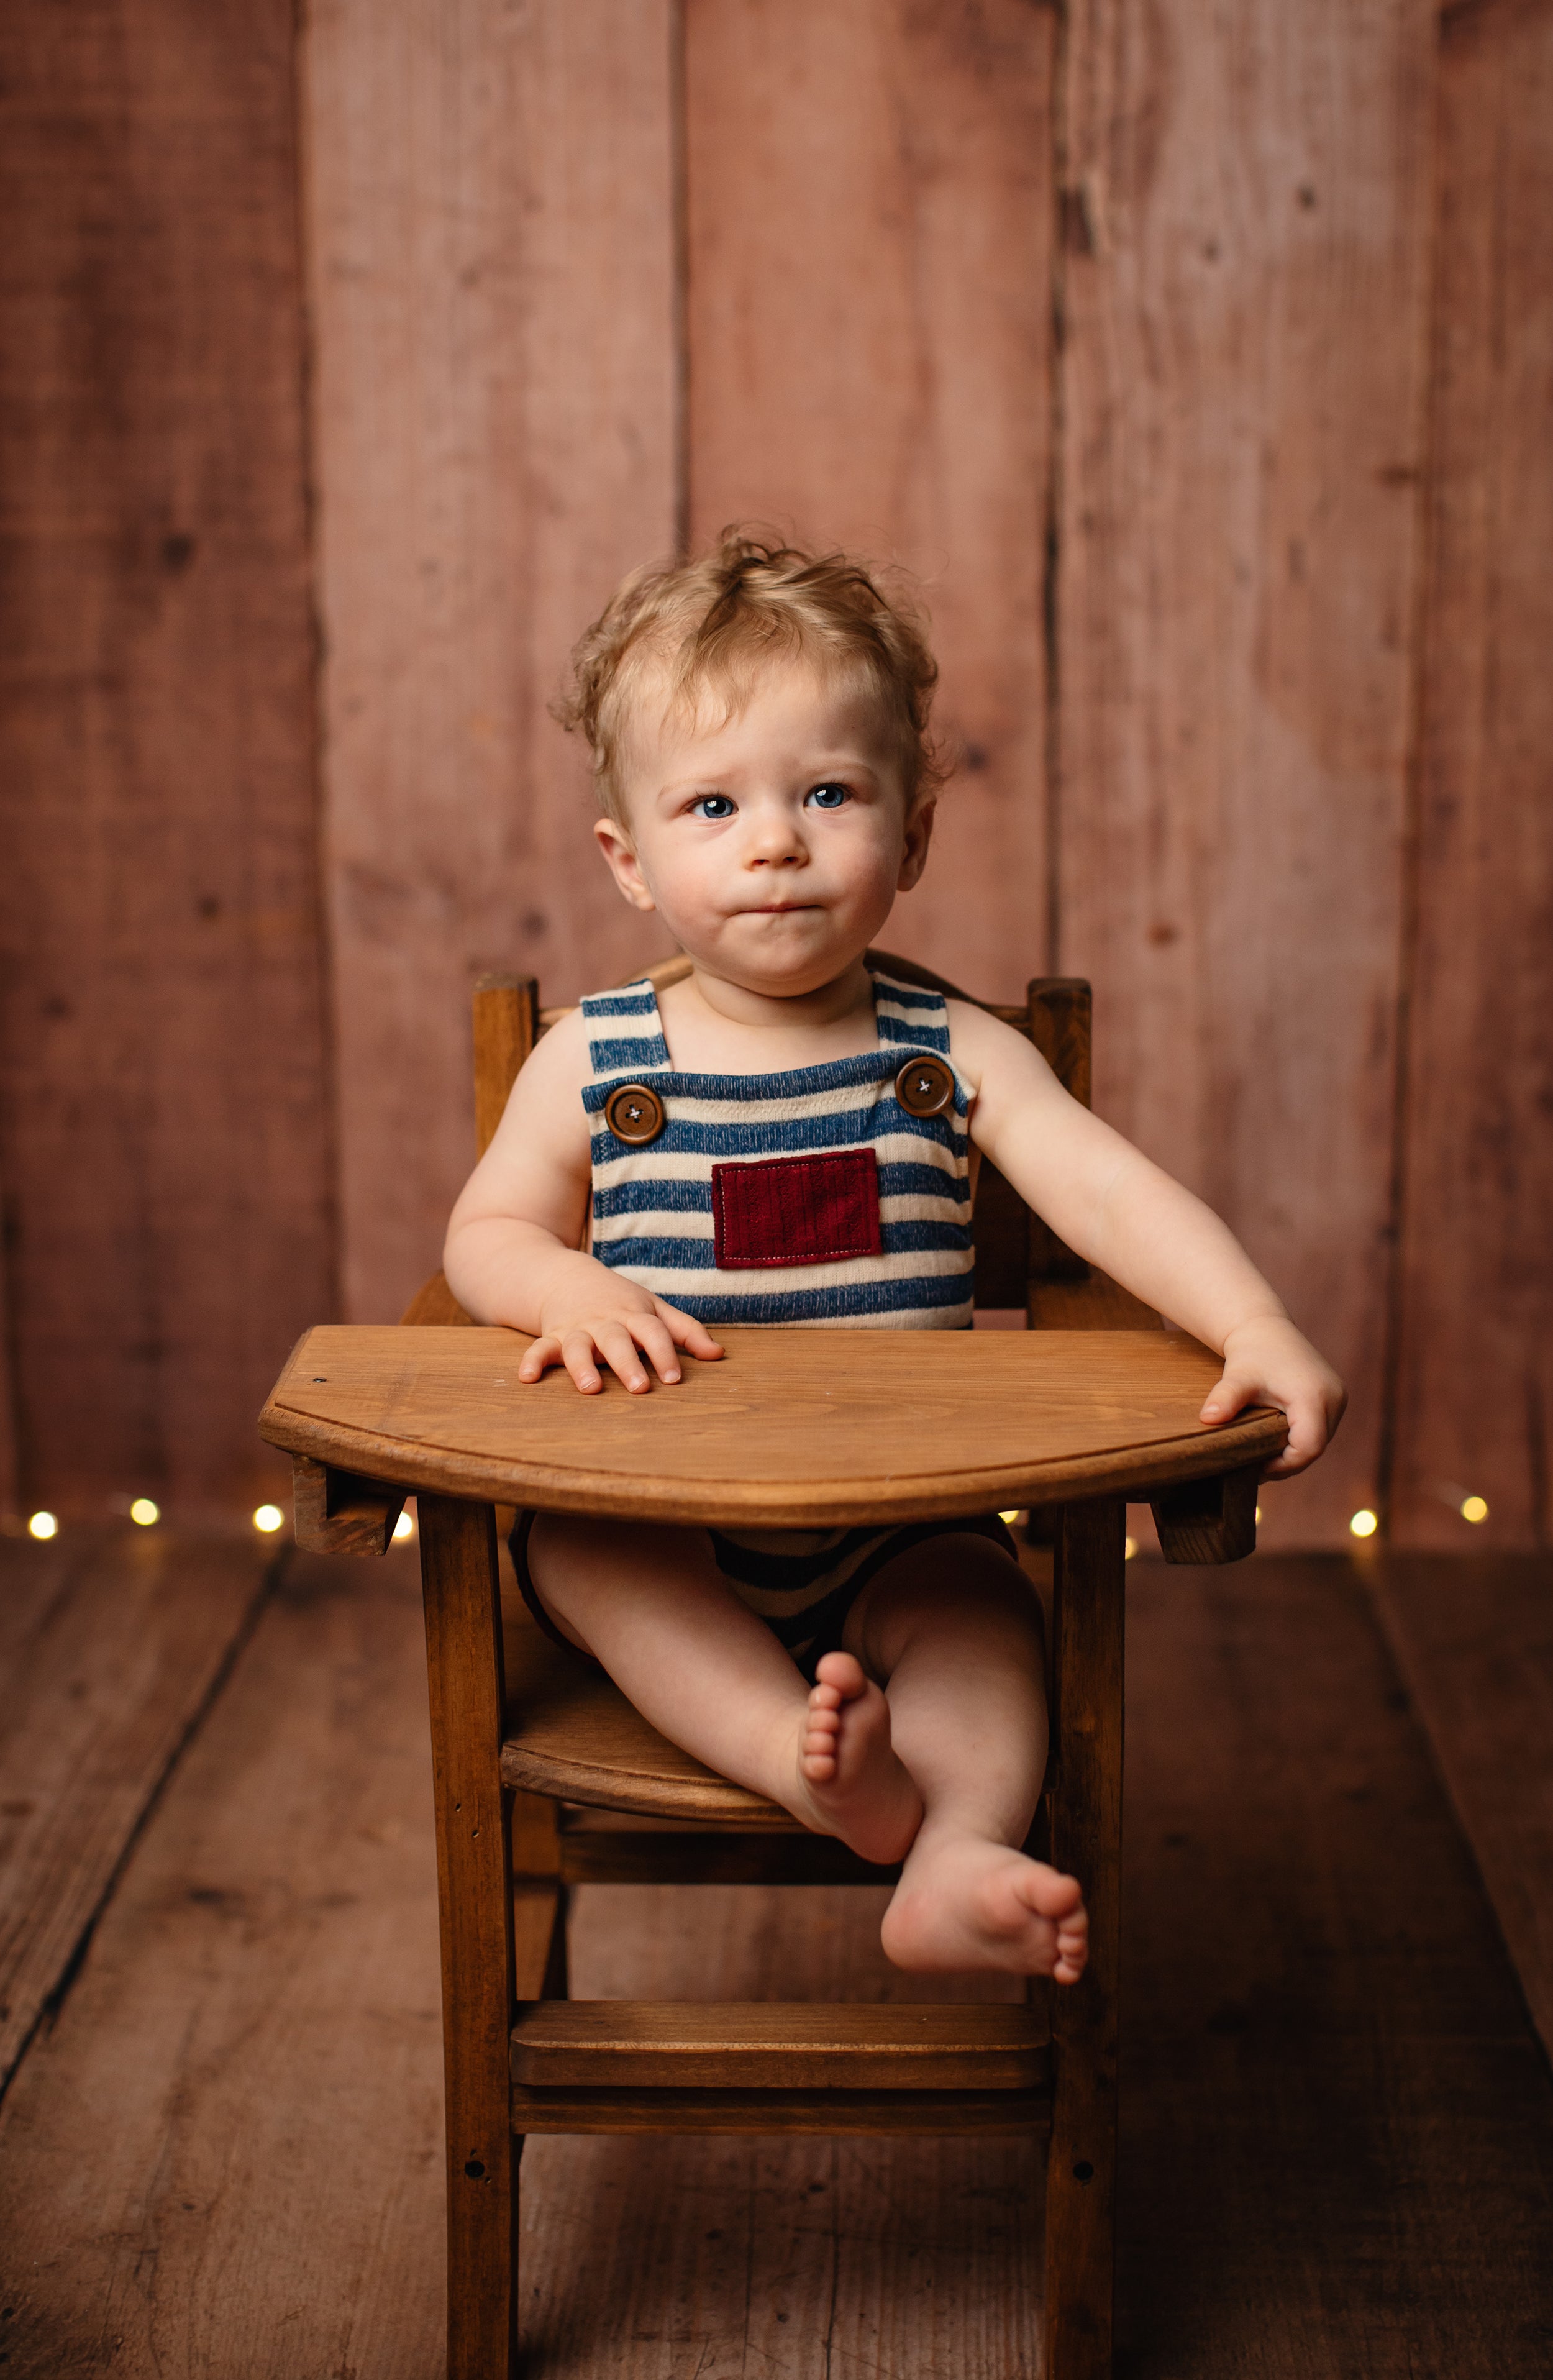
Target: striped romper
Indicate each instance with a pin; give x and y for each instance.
(833, 1196)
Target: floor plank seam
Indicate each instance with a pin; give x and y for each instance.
(1396, 1652)
(53, 2002)
(835, 2195)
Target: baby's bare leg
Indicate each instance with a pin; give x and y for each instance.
(652, 1607)
(953, 1630)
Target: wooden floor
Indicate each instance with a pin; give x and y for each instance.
(219, 2142)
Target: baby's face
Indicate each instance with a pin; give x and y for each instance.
(774, 842)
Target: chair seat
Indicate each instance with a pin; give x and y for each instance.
(572, 1734)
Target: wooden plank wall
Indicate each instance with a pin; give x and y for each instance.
(1246, 291)
(869, 215)
(166, 1137)
(492, 244)
(1473, 1399)
(1159, 346)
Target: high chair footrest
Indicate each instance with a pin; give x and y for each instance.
(648, 2046)
(998, 2115)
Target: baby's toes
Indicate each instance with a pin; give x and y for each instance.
(841, 1674)
(1051, 1895)
(818, 1754)
(1073, 1951)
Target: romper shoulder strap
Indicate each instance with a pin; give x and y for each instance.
(625, 1030)
(911, 1015)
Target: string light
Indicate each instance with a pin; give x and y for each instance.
(1474, 1508)
(402, 1527)
(1129, 1548)
(144, 1513)
(1364, 1524)
(42, 1524)
(268, 1518)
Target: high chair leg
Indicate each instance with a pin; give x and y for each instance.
(1085, 1817)
(461, 1588)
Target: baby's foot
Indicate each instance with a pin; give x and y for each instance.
(965, 1906)
(849, 1781)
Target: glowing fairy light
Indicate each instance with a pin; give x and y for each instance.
(1364, 1524)
(268, 1518)
(42, 1524)
(144, 1512)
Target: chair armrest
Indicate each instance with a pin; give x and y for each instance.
(1096, 1303)
(434, 1302)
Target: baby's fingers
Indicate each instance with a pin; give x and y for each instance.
(544, 1352)
(1231, 1395)
(617, 1345)
(658, 1346)
(577, 1355)
(686, 1332)
(1228, 1395)
(1308, 1432)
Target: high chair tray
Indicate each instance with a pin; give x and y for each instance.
(793, 1428)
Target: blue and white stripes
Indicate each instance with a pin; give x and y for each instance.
(629, 1037)
(653, 1207)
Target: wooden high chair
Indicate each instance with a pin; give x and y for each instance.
(546, 1778)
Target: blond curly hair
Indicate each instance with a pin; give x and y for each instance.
(710, 624)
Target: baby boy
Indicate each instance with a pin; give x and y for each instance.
(787, 1136)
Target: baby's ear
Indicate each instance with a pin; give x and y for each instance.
(920, 835)
(620, 857)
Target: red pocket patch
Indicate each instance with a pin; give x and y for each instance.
(796, 1210)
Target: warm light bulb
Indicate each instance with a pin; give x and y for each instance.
(1009, 1518)
(402, 1527)
(1258, 1516)
(268, 1518)
(1474, 1508)
(1129, 1548)
(42, 1524)
(144, 1513)
(1363, 1524)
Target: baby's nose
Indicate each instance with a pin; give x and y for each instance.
(777, 843)
(773, 836)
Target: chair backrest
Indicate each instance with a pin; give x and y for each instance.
(1014, 1248)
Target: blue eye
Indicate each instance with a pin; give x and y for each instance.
(828, 797)
(711, 805)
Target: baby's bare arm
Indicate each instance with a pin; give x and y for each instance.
(1121, 1212)
(512, 1253)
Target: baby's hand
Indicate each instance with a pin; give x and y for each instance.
(1267, 1361)
(610, 1322)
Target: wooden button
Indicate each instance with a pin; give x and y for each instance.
(635, 1115)
(925, 1087)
